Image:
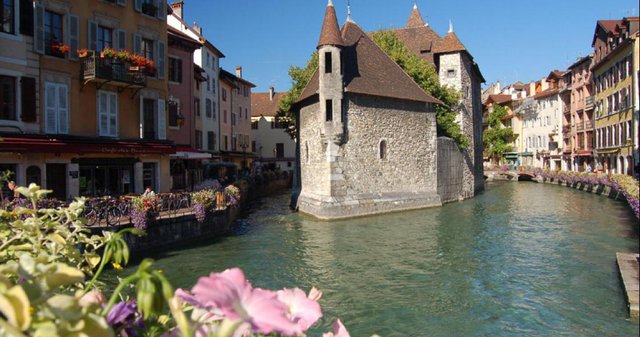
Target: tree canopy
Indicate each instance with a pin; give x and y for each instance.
(497, 138)
(420, 70)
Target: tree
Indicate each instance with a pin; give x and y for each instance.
(300, 77)
(496, 137)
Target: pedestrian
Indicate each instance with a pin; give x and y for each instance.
(148, 192)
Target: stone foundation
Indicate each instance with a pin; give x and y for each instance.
(331, 208)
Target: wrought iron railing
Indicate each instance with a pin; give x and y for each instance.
(95, 67)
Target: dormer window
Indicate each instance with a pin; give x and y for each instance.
(328, 64)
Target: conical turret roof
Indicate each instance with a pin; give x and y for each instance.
(330, 34)
(415, 19)
(449, 44)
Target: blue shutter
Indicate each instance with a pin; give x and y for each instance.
(121, 39)
(137, 43)
(92, 35)
(74, 36)
(162, 120)
(162, 9)
(161, 59)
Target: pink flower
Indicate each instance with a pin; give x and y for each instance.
(315, 294)
(302, 309)
(234, 296)
(338, 330)
(92, 297)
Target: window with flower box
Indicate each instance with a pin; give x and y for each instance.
(53, 34)
(105, 38)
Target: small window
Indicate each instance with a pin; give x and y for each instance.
(7, 17)
(7, 98)
(175, 70)
(54, 37)
(383, 149)
(329, 110)
(451, 73)
(328, 65)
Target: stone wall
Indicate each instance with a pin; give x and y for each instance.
(451, 169)
(344, 176)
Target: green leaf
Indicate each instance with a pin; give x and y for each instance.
(14, 305)
(63, 275)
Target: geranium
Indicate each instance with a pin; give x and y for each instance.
(59, 47)
(143, 209)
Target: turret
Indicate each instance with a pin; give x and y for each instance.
(331, 86)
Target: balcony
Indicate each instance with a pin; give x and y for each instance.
(117, 73)
(566, 130)
(588, 102)
(566, 109)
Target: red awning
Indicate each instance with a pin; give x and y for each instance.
(83, 146)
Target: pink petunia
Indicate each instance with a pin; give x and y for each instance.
(234, 296)
(302, 309)
(338, 330)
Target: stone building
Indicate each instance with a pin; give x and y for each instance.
(456, 68)
(367, 131)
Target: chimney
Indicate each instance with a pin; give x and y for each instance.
(271, 93)
(197, 28)
(239, 71)
(177, 8)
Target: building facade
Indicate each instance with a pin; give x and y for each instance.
(273, 147)
(581, 122)
(364, 148)
(235, 126)
(614, 91)
(104, 132)
(456, 68)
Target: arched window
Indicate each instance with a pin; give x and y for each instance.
(33, 175)
(383, 149)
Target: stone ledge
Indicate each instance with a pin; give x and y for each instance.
(327, 208)
(628, 265)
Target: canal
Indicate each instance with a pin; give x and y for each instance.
(522, 259)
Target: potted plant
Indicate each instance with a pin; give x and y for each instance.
(59, 49)
(83, 52)
(144, 210)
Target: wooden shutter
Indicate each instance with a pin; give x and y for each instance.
(121, 37)
(113, 114)
(74, 36)
(28, 95)
(137, 43)
(179, 68)
(26, 17)
(63, 109)
(137, 5)
(50, 107)
(103, 114)
(161, 59)
(92, 35)
(162, 9)
(162, 120)
(122, 3)
(38, 43)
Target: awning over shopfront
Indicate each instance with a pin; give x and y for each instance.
(82, 145)
(584, 153)
(610, 151)
(190, 153)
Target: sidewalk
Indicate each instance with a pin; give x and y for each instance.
(628, 265)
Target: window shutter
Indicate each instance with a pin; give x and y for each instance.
(121, 35)
(63, 109)
(113, 114)
(137, 5)
(38, 43)
(50, 108)
(162, 120)
(141, 113)
(74, 36)
(28, 94)
(92, 35)
(103, 117)
(122, 3)
(161, 60)
(26, 17)
(162, 9)
(137, 43)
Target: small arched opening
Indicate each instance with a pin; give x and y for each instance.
(383, 150)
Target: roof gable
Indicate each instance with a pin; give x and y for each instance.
(449, 44)
(263, 105)
(415, 19)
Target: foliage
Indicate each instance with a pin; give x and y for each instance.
(143, 209)
(299, 77)
(202, 202)
(48, 254)
(496, 137)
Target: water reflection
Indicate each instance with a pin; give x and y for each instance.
(520, 260)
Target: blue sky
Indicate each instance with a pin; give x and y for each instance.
(510, 40)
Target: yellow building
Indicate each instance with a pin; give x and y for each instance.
(615, 65)
(98, 125)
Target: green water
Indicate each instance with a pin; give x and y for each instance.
(522, 259)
